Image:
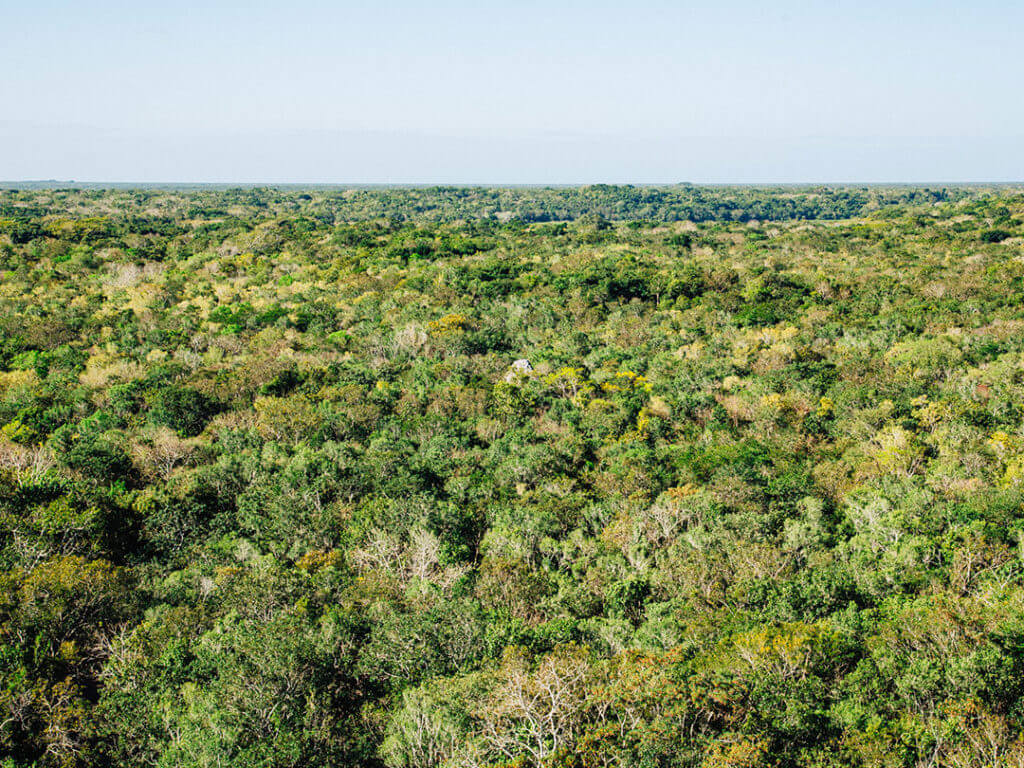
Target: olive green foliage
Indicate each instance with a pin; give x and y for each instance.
(549, 478)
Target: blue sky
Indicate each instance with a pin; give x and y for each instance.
(526, 92)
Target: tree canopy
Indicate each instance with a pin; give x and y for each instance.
(549, 478)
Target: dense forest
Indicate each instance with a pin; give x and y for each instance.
(450, 204)
(545, 478)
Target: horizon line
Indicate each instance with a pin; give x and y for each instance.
(71, 183)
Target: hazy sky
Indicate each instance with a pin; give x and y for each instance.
(548, 91)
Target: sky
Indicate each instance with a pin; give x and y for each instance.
(525, 92)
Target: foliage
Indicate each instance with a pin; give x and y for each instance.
(651, 477)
